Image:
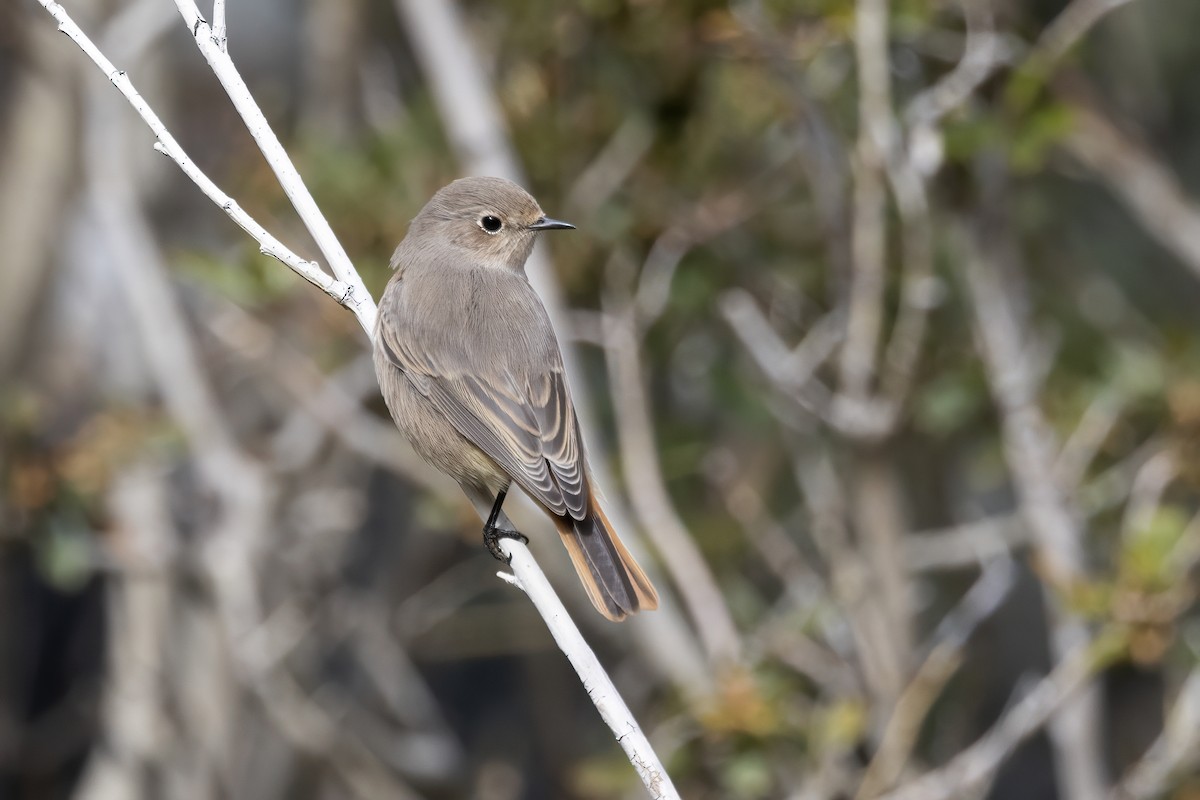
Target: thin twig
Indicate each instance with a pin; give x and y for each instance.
(325, 401)
(826, 499)
(965, 545)
(1030, 450)
(1139, 180)
(1081, 447)
(168, 146)
(900, 733)
(792, 370)
(984, 51)
(1065, 31)
(1146, 491)
(976, 765)
(1173, 753)
(943, 660)
(356, 297)
(651, 500)
(600, 179)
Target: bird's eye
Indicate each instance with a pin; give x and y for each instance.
(491, 224)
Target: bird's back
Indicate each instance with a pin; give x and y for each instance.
(450, 315)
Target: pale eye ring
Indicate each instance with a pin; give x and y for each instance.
(490, 224)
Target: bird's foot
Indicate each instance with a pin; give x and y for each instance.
(492, 536)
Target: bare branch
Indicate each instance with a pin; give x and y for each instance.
(599, 180)
(599, 686)
(651, 500)
(878, 513)
(1173, 753)
(325, 401)
(709, 218)
(965, 545)
(1030, 449)
(1145, 494)
(1068, 28)
(1143, 183)
(864, 320)
(168, 146)
(356, 297)
(984, 51)
(945, 656)
(850, 580)
(792, 370)
(218, 26)
(904, 725)
(1081, 447)
(135, 725)
(975, 766)
(919, 289)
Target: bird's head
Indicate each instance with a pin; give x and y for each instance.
(494, 220)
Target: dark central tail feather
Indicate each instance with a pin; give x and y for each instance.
(604, 565)
(615, 583)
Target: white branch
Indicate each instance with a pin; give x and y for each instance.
(218, 26)
(356, 298)
(599, 686)
(349, 290)
(167, 145)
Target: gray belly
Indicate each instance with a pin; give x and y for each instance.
(433, 437)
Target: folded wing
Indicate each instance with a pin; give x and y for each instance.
(523, 420)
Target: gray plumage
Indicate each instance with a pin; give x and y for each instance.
(472, 374)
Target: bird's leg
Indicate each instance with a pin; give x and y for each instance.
(492, 535)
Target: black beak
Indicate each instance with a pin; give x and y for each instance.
(547, 224)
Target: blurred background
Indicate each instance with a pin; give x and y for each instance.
(881, 319)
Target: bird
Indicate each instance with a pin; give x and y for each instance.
(472, 374)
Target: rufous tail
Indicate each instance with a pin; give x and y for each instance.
(615, 583)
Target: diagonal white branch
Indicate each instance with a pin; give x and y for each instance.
(168, 146)
(599, 686)
(356, 298)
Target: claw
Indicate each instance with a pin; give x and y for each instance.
(492, 536)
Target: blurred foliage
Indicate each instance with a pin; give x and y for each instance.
(730, 95)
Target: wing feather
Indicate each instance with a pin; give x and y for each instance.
(526, 424)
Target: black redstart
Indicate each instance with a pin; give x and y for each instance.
(472, 374)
